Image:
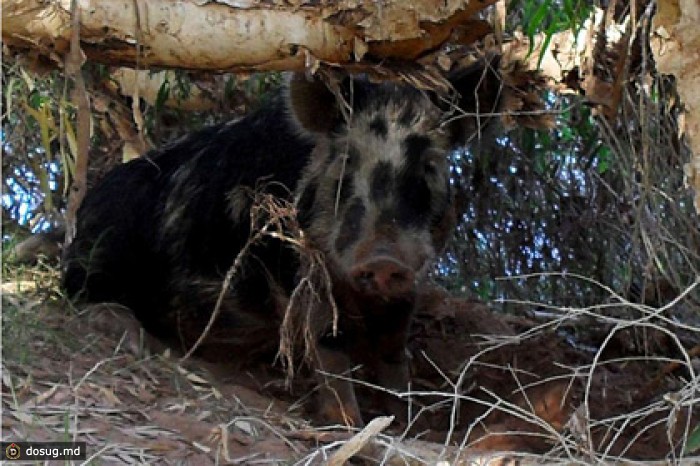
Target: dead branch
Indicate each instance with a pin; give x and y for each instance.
(249, 35)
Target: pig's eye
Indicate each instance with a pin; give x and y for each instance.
(430, 167)
(351, 157)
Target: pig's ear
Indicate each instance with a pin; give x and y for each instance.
(479, 87)
(312, 104)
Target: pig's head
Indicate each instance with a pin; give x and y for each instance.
(376, 196)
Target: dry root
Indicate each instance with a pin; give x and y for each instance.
(310, 306)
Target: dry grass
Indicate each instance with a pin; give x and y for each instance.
(71, 383)
(64, 380)
(664, 410)
(272, 217)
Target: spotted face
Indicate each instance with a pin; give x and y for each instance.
(376, 197)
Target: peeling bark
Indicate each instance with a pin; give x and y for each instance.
(237, 36)
(74, 62)
(246, 35)
(676, 46)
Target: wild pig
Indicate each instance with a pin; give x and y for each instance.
(367, 169)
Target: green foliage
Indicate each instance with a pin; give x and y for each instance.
(165, 120)
(37, 129)
(693, 443)
(549, 17)
(261, 86)
(163, 95)
(230, 87)
(603, 155)
(39, 139)
(580, 198)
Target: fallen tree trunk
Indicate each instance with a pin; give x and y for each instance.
(236, 36)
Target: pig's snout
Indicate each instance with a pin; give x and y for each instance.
(383, 277)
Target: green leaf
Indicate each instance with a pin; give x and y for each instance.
(36, 100)
(183, 85)
(11, 82)
(693, 443)
(566, 133)
(603, 157)
(537, 19)
(549, 33)
(163, 94)
(230, 87)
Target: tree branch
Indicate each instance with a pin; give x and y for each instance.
(253, 35)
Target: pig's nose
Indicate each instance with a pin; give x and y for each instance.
(384, 277)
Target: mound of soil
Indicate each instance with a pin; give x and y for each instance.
(481, 382)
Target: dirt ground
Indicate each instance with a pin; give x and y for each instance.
(482, 384)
